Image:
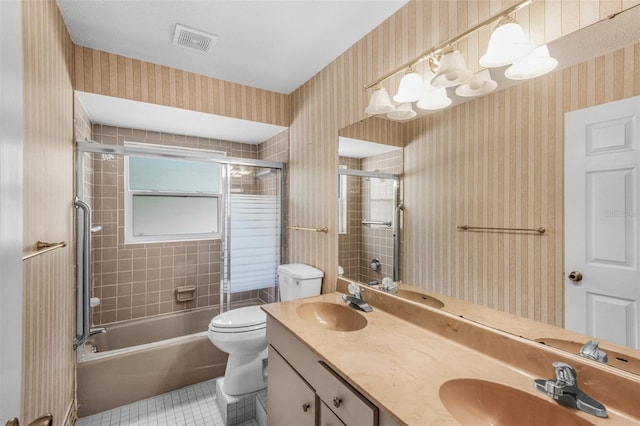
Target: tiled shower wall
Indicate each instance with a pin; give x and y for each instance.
(139, 280)
(349, 243)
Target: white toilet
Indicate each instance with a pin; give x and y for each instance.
(242, 332)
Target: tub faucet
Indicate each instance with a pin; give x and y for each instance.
(97, 330)
(592, 351)
(564, 389)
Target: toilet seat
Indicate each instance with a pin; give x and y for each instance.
(241, 320)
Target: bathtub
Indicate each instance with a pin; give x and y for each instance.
(171, 351)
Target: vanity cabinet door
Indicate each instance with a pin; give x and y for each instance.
(327, 418)
(345, 401)
(290, 400)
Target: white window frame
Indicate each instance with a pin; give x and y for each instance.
(128, 212)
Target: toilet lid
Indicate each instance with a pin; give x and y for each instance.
(242, 318)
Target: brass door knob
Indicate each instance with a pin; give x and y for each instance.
(337, 402)
(575, 276)
(306, 406)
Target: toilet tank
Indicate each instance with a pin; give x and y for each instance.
(298, 280)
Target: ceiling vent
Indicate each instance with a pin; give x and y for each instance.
(193, 39)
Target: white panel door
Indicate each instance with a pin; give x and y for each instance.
(602, 221)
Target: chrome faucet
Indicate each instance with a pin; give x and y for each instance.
(564, 389)
(592, 351)
(389, 286)
(356, 300)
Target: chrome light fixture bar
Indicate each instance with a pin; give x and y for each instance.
(436, 51)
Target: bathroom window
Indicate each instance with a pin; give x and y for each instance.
(171, 200)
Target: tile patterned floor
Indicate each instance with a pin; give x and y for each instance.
(193, 405)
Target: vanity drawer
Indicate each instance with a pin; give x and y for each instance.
(346, 402)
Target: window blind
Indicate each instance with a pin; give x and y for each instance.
(254, 239)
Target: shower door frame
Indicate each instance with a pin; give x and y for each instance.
(92, 147)
(397, 206)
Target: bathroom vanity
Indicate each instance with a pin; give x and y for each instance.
(409, 364)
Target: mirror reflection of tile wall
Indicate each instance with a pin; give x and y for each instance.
(363, 243)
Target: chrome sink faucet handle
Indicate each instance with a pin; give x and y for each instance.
(564, 389)
(354, 289)
(565, 374)
(591, 350)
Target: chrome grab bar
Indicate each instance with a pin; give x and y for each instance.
(396, 241)
(83, 266)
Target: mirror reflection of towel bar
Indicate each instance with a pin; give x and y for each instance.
(299, 228)
(377, 222)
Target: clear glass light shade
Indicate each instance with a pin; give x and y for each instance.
(506, 45)
(479, 85)
(410, 89)
(402, 112)
(451, 71)
(538, 63)
(434, 99)
(379, 102)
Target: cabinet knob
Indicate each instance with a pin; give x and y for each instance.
(306, 406)
(337, 402)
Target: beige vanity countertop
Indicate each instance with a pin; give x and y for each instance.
(400, 366)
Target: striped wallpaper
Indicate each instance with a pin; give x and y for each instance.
(113, 75)
(48, 374)
(452, 175)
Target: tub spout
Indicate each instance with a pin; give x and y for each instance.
(97, 330)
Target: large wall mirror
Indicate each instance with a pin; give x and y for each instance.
(428, 164)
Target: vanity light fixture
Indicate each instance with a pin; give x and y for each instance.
(479, 85)
(537, 63)
(402, 112)
(380, 102)
(452, 70)
(508, 45)
(410, 89)
(434, 97)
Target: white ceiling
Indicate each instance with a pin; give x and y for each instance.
(356, 148)
(275, 45)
